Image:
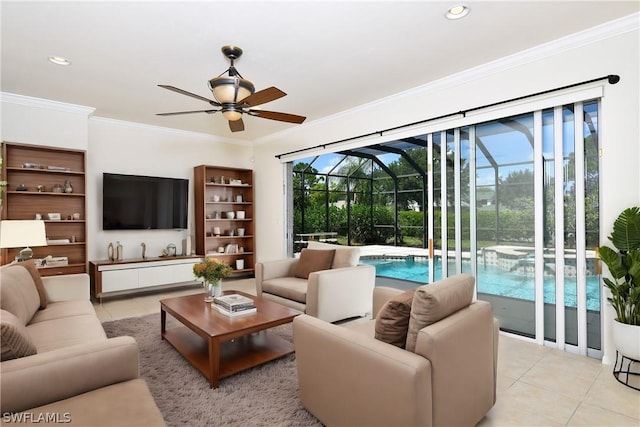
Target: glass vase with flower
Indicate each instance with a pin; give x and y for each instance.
(212, 271)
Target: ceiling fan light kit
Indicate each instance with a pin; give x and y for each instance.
(235, 96)
(228, 90)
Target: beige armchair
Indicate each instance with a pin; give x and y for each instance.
(349, 378)
(336, 290)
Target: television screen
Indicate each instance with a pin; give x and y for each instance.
(133, 202)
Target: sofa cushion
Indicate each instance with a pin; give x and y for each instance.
(313, 260)
(392, 321)
(292, 288)
(14, 337)
(37, 280)
(18, 294)
(127, 403)
(436, 301)
(61, 309)
(346, 256)
(65, 332)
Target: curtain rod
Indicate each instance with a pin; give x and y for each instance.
(611, 78)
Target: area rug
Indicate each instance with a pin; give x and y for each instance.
(266, 395)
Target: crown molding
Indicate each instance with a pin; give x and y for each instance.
(29, 101)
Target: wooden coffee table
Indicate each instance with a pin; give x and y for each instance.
(218, 345)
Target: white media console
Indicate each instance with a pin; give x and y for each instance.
(135, 275)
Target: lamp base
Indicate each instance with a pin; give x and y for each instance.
(25, 254)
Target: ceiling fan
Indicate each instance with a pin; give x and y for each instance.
(235, 96)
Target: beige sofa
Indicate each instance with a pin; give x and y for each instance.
(349, 378)
(57, 363)
(339, 290)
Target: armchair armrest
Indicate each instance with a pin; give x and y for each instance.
(273, 269)
(54, 375)
(356, 380)
(464, 346)
(340, 293)
(67, 287)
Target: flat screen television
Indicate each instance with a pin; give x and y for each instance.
(134, 202)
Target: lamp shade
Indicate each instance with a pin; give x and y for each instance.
(21, 233)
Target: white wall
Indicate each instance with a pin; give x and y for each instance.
(600, 52)
(128, 148)
(42, 122)
(118, 147)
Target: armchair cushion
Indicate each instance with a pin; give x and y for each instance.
(392, 321)
(435, 301)
(18, 295)
(313, 260)
(292, 288)
(37, 280)
(15, 339)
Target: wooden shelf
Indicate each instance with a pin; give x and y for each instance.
(206, 209)
(24, 205)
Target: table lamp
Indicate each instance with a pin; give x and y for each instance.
(19, 233)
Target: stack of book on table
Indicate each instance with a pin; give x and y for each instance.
(234, 305)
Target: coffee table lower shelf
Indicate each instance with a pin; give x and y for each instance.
(236, 355)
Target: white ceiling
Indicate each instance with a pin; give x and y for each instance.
(327, 56)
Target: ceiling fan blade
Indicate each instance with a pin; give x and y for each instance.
(274, 115)
(263, 96)
(187, 112)
(193, 95)
(236, 125)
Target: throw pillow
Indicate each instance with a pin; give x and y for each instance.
(392, 321)
(436, 301)
(15, 338)
(346, 256)
(313, 260)
(37, 280)
(18, 294)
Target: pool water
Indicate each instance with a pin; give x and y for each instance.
(490, 280)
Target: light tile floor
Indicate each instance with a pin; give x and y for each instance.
(537, 386)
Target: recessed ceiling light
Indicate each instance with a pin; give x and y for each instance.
(59, 60)
(457, 12)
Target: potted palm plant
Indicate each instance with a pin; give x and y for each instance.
(624, 267)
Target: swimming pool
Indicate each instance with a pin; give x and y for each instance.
(489, 279)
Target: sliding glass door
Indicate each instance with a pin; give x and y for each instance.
(517, 206)
(512, 200)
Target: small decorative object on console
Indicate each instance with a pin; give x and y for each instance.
(119, 251)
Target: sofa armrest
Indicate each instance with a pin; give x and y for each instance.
(67, 287)
(273, 269)
(357, 380)
(54, 375)
(340, 293)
